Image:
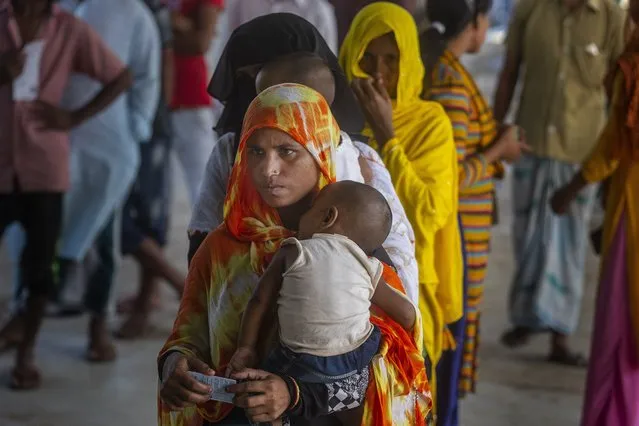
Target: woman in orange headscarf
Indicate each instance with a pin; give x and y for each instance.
(285, 157)
(612, 389)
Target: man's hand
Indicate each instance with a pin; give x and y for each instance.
(55, 118)
(12, 64)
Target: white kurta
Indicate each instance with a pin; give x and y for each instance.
(105, 150)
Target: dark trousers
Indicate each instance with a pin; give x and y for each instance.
(449, 367)
(101, 279)
(40, 214)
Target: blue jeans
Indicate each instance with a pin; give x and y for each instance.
(323, 369)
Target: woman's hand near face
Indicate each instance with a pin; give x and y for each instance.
(264, 396)
(377, 106)
(179, 390)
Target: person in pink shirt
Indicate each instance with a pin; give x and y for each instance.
(194, 26)
(34, 143)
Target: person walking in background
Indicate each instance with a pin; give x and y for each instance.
(612, 388)
(194, 27)
(145, 218)
(105, 159)
(457, 29)
(566, 48)
(107, 155)
(36, 36)
(320, 13)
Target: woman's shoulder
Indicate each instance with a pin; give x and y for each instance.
(220, 248)
(446, 73)
(432, 113)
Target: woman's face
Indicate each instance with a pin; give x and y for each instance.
(481, 28)
(382, 57)
(281, 169)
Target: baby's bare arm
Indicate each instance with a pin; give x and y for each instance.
(395, 305)
(264, 299)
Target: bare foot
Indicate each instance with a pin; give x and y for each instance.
(12, 333)
(101, 347)
(134, 327)
(129, 303)
(25, 376)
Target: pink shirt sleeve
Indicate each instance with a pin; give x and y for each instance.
(93, 57)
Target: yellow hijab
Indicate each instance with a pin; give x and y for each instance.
(373, 21)
(421, 128)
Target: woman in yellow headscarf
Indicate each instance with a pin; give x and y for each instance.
(381, 58)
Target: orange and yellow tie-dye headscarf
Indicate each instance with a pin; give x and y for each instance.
(303, 114)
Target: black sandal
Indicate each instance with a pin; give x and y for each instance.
(516, 337)
(569, 359)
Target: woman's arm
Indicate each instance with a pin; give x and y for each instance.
(189, 335)
(426, 184)
(197, 39)
(455, 99)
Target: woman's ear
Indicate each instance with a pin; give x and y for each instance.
(330, 217)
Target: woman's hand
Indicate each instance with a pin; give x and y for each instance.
(179, 390)
(564, 196)
(377, 106)
(264, 396)
(243, 358)
(510, 145)
(561, 200)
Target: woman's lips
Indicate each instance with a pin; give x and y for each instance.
(276, 190)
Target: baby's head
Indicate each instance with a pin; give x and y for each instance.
(352, 209)
(301, 67)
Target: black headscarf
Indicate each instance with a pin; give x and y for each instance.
(448, 18)
(262, 40)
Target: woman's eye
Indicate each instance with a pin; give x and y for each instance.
(287, 152)
(255, 151)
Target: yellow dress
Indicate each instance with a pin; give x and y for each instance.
(422, 161)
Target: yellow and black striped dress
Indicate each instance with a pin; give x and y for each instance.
(474, 129)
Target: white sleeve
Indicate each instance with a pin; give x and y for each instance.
(400, 244)
(208, 210)
(347, 161)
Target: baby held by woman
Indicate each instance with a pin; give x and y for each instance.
(321, 285)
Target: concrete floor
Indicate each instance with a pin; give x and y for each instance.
(515, 388)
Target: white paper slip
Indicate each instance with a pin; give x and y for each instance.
(218, 386)
(27, 86)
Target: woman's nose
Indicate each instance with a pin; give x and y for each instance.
(271, 165)
(379, 65)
